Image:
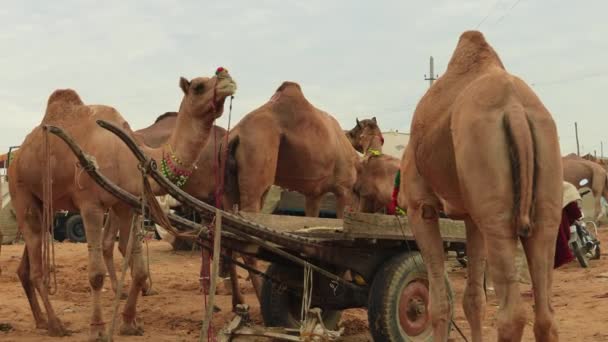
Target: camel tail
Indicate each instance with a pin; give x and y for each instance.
(521, 147)
(231, 174)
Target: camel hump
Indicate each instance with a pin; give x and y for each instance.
(64, 108)
(473, 52)
(164, 116)
(65, 96)
(288, 86)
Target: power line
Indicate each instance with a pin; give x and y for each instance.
(488, 14)
(507, 12)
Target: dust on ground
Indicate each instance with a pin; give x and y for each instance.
(579, 297)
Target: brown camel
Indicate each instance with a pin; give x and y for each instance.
(484, 144)
(201, 183)
(72, 189)
(595, 159)
(304, 150)
(376, 174)
(290, 143)
(577, 169)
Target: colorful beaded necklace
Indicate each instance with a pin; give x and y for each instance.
(173, 169)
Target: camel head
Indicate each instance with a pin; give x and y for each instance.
(366, 134)
(204, 97)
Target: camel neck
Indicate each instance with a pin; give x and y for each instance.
(374, 148)
(188, 138)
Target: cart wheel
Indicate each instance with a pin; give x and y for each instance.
(398, 308)
(281, 307)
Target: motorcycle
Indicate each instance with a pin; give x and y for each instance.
(584, 243)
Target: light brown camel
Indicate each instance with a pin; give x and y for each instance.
(73, 190)
(201, 183)
(594, 159)
(376, 174)
(484, 144)
(577, 169)
(304, 149)
(290, 143)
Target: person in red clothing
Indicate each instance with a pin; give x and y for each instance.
(570, 213)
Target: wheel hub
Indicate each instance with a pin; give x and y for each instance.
(413, 314)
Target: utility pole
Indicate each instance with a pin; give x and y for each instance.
(432, 77)
(601, 149)
(578, 150)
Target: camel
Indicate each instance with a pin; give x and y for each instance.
(290, 143)
(201, 183)
(376, 175)
(595, 159)
(202, 103)
(483, 144)
(577, 169)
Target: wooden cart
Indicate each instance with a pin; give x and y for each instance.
(365, 260)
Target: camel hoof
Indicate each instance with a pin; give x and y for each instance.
(131, 329)
(149, 292)
(42, 324)
(98, 334)
(56, 329)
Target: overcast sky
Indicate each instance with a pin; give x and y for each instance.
(352, 58)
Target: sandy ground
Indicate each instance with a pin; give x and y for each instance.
(175, 313)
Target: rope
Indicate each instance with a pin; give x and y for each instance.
(48, 234)
(144, 189)
(306, 296)
(205, 273)
(206, 329)
(459, 331)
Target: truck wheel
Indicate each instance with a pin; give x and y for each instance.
(280, 307)
(398, 307)
(74, 229)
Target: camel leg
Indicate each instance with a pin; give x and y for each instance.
(130, 326)
(511, 317)
(540, 251)
(24, 275)
(428, 239)
(109, 237)
(92, 217)
(342, 199)
(256, 280)
(28, 212)
(423, 213)
(122, 217)
(312, 206)
(474, 299)
(237, 296)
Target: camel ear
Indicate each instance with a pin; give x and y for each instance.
(184, 84)
(374, 120)
(358, 123)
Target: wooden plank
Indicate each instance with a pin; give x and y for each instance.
(354, 226)
(286, 223)
(376, 226)
(293, 200)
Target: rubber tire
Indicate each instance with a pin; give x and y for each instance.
(385, 293)
(597, 254)
(275, 304)
(73, 226)
(577, 249)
